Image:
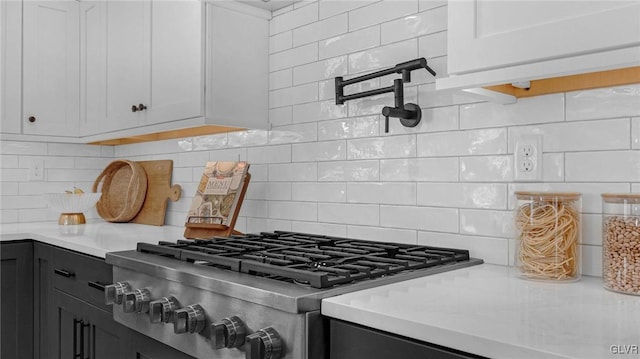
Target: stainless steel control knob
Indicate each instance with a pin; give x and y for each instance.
(228, 333)
(114, 293)
(161, 310)
(189, 319)
(263, 344)
(136, 301)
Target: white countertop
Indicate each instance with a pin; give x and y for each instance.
(96, 238)
(487, 310)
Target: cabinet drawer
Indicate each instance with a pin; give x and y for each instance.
(82, 276)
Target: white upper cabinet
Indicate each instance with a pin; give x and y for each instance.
(495, 42)
(237, 68)
(50, 68)
(142, 63)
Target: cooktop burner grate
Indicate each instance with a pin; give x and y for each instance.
(308, 259)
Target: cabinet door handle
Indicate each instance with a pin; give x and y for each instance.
(96, 285)
(76, 322)
(32, 119)
(134, 108)
(64, 273)
(82, 339)
(141, 107)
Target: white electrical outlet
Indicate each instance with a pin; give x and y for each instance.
(36, 169)
(527, 158)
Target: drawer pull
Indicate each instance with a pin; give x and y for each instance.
(64, 273)
(96, 285)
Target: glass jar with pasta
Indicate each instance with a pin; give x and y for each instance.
(621, 242)
(548, 235)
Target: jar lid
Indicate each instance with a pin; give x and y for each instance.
(621, 197)
(547, 196)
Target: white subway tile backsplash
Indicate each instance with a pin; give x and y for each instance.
(293, 95)
(38, 215)
(367, 126)
(303, 3)
(318, 192)
(380, 12)
(180, 175)
(539, 109)
(9, 188)
(9, 161)
(80, 162)
(281, 116)
(293, 57)
(305, 132)
(300, 211)
(635, 133)
(463, 195)
(420, 169)
(303, 171)
(19, 202)
(69, 149)
(463, 143)
(318, 111)
(635, 187)
(319, 151)
(487, 223)
(293, 19)
(430, 4)
(269, 154)
(432, 45)
(232, 154)
(253, 208)
(280, 42)
(591, 229)
(578, 136)
(592, 260)
(368, 170)
(280, 79)
(362, 214)
(392, 235)
(247, 138)
(382, 193)
(327, 89)
(327, 229)
(276, 191)
(420, 218)
(605, 166)
(192, 159)
(426, 22)
(382, 147)
(486, 168)
(8, 216)
(383, 56)
(259, 173)
(330, 8)
(623, 101)
(490, 250)
(14, 174)
(350, 42)
(320, 70)
(257, 225)
(22, 148)
(320, 30)
(72, 175)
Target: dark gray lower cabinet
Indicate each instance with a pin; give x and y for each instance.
(16, 300)
(85, 331)
(352, 341)
(52, 308)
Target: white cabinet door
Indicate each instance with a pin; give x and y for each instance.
(10, 66)
(51, 68)
(237, 70)
(93, 66)
(490, 34)
(128, 41)
(176, 61)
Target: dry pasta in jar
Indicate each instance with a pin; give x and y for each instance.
(548, 235)
(621, 242)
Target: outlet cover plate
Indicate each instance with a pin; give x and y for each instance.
(527, 159)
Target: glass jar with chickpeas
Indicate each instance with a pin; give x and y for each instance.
(621, 242)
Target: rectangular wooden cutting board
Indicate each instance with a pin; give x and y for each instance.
(159, 191)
